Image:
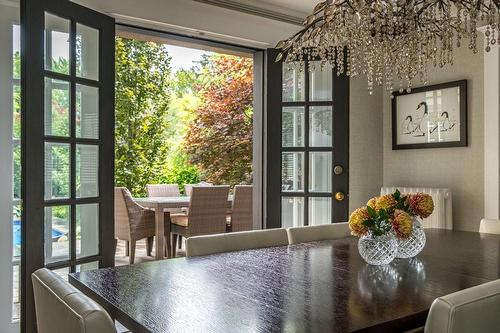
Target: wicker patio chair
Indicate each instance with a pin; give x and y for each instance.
(241, 213)
(189, 187)
(134, 222)
(163, 190)
(166, 190)
(206, 215)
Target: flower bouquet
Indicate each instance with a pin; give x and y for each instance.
(389, 226)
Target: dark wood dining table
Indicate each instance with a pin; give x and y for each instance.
(310, 287)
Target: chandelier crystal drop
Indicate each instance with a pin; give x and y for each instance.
(390, 41)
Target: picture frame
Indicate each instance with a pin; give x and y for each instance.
(433, 116)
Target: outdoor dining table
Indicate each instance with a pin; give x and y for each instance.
(309, 287)
(160, 205)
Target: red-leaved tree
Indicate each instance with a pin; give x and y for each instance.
(219, 140)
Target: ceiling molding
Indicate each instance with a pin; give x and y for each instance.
(186, 31)
(253, 10)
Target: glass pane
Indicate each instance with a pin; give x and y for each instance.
(16, 167)
(57, 170)
(293, 83)
(56, 107)
(16, 103)
(87, 52)
(320, 211)
(292, 172)
(320, 82)
(87, 267)
(87, 230)
(16, 232)
(14, 106)
(292, 127)
(320, 171)
(16, 293)
(57, 233)
(292, 212)
(320, 126)
(87, 112)
(87, 168)
(56, 44)
(62, 272)
(16, 51)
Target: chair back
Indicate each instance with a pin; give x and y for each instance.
(489, 226)
(241, 215)
(62, 308)
(188, 188)
(316, 233)
(470, 310)
(207, 210)
(163, 190)
(122, 223)
(235, 241)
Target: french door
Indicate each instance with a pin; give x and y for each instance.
(68, 134)
(308, 144)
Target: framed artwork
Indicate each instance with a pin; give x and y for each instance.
(430, 117)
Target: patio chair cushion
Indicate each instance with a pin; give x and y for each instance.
(179, 219)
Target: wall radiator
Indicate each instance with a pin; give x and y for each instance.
(442, 216)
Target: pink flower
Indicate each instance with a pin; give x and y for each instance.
(420, 204)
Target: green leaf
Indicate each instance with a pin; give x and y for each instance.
(368, 223)
(371, 212)
(397, 195)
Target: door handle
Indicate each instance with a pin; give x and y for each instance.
(339, 196)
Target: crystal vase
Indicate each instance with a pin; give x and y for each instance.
(378, 250)
(411, 246)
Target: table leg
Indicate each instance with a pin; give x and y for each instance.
(160, 232)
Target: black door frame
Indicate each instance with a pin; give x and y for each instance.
(33, 139)
(340, 141)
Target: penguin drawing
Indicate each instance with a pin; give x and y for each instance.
(418, 130)
(447, 123)
(407, 126)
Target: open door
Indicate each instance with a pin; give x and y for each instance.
(67, 141)
(307, 144)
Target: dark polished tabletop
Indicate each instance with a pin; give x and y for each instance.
(310, 287)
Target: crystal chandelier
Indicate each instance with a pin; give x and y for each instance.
(392, 42)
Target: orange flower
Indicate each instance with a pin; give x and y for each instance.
(386, 202)
(356, 221)
(420, 204)
(372, 203)
(402, 224)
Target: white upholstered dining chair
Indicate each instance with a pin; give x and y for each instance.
(235, 241)
(315, 233)
(474, 309)
(60, 307)
(489, 226)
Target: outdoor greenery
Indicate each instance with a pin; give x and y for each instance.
(181, 127)
(219, 140)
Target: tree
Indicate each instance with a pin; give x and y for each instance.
(219, 139)
(142, 101)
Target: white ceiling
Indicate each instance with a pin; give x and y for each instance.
(208, 21)
(291, 7)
